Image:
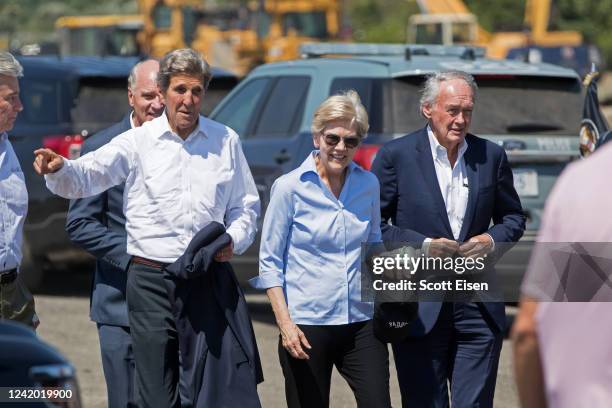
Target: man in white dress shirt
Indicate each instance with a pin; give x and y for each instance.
(97, 224)
(16, 302)
(181, 172)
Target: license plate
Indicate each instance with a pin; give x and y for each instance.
(526, 182)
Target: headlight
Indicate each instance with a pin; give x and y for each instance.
(59, 384)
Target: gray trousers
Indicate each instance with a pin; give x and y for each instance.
(154, 337)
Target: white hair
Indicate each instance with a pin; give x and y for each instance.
(431, 87)
(9, 66)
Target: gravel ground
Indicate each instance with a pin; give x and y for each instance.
(63, 310)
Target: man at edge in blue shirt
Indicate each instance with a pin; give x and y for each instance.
(16, 301)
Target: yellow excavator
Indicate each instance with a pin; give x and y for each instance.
(292, 23)
(223, 35)
(450, 22)
(236, 38)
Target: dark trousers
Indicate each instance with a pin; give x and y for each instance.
(118, 365)
(154, 338)
(360, 358)
(462, 348)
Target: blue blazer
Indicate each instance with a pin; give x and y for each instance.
(219, 356)
(410, 198)
(97, 224)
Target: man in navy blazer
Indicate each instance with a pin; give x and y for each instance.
(97, 224)
(452, 193)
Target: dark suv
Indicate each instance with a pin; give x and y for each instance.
(532, 110)
(65, 100)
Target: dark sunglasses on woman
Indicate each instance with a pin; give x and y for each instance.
(350, 142)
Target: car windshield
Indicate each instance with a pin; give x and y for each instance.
(42, 102)
(306, 24)
(218, 88)
(102, 40)
(505, 104)
(100, 103)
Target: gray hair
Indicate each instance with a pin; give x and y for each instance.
(132, 77)
(9, 66)
(183, 61)
(345, 106)
(431, 88)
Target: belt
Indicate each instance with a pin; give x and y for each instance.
(149, 262)
(8, 276)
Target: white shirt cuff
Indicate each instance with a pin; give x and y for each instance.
(425, 246)
(492, 240)
(53, 181)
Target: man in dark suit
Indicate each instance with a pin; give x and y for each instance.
(97, 224)
(451, 193)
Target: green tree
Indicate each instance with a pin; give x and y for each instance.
(380, 20)
(593, 18)
(498, 15)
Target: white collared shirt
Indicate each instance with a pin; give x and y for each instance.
(173, 187)
(452, 180)
(13, 206)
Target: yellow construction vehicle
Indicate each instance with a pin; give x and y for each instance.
(99, 35)
(166, 24)
(238, 38)
(223, 35)
(450, 22)
(295, 22)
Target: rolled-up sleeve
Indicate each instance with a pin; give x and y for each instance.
(275, 232)
(95, 172)
(243, 205)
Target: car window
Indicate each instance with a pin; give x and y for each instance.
(237, 112)
(42, 102)
(100, 103)
(284, 108)
(218, 88)
(527, 105)
(306, 24)
(505, 104)
(405, 96)
(429, 33)
(373, 94)
(83, 41)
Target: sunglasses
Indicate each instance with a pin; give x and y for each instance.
(350, 142)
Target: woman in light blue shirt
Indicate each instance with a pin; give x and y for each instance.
(309, 262)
